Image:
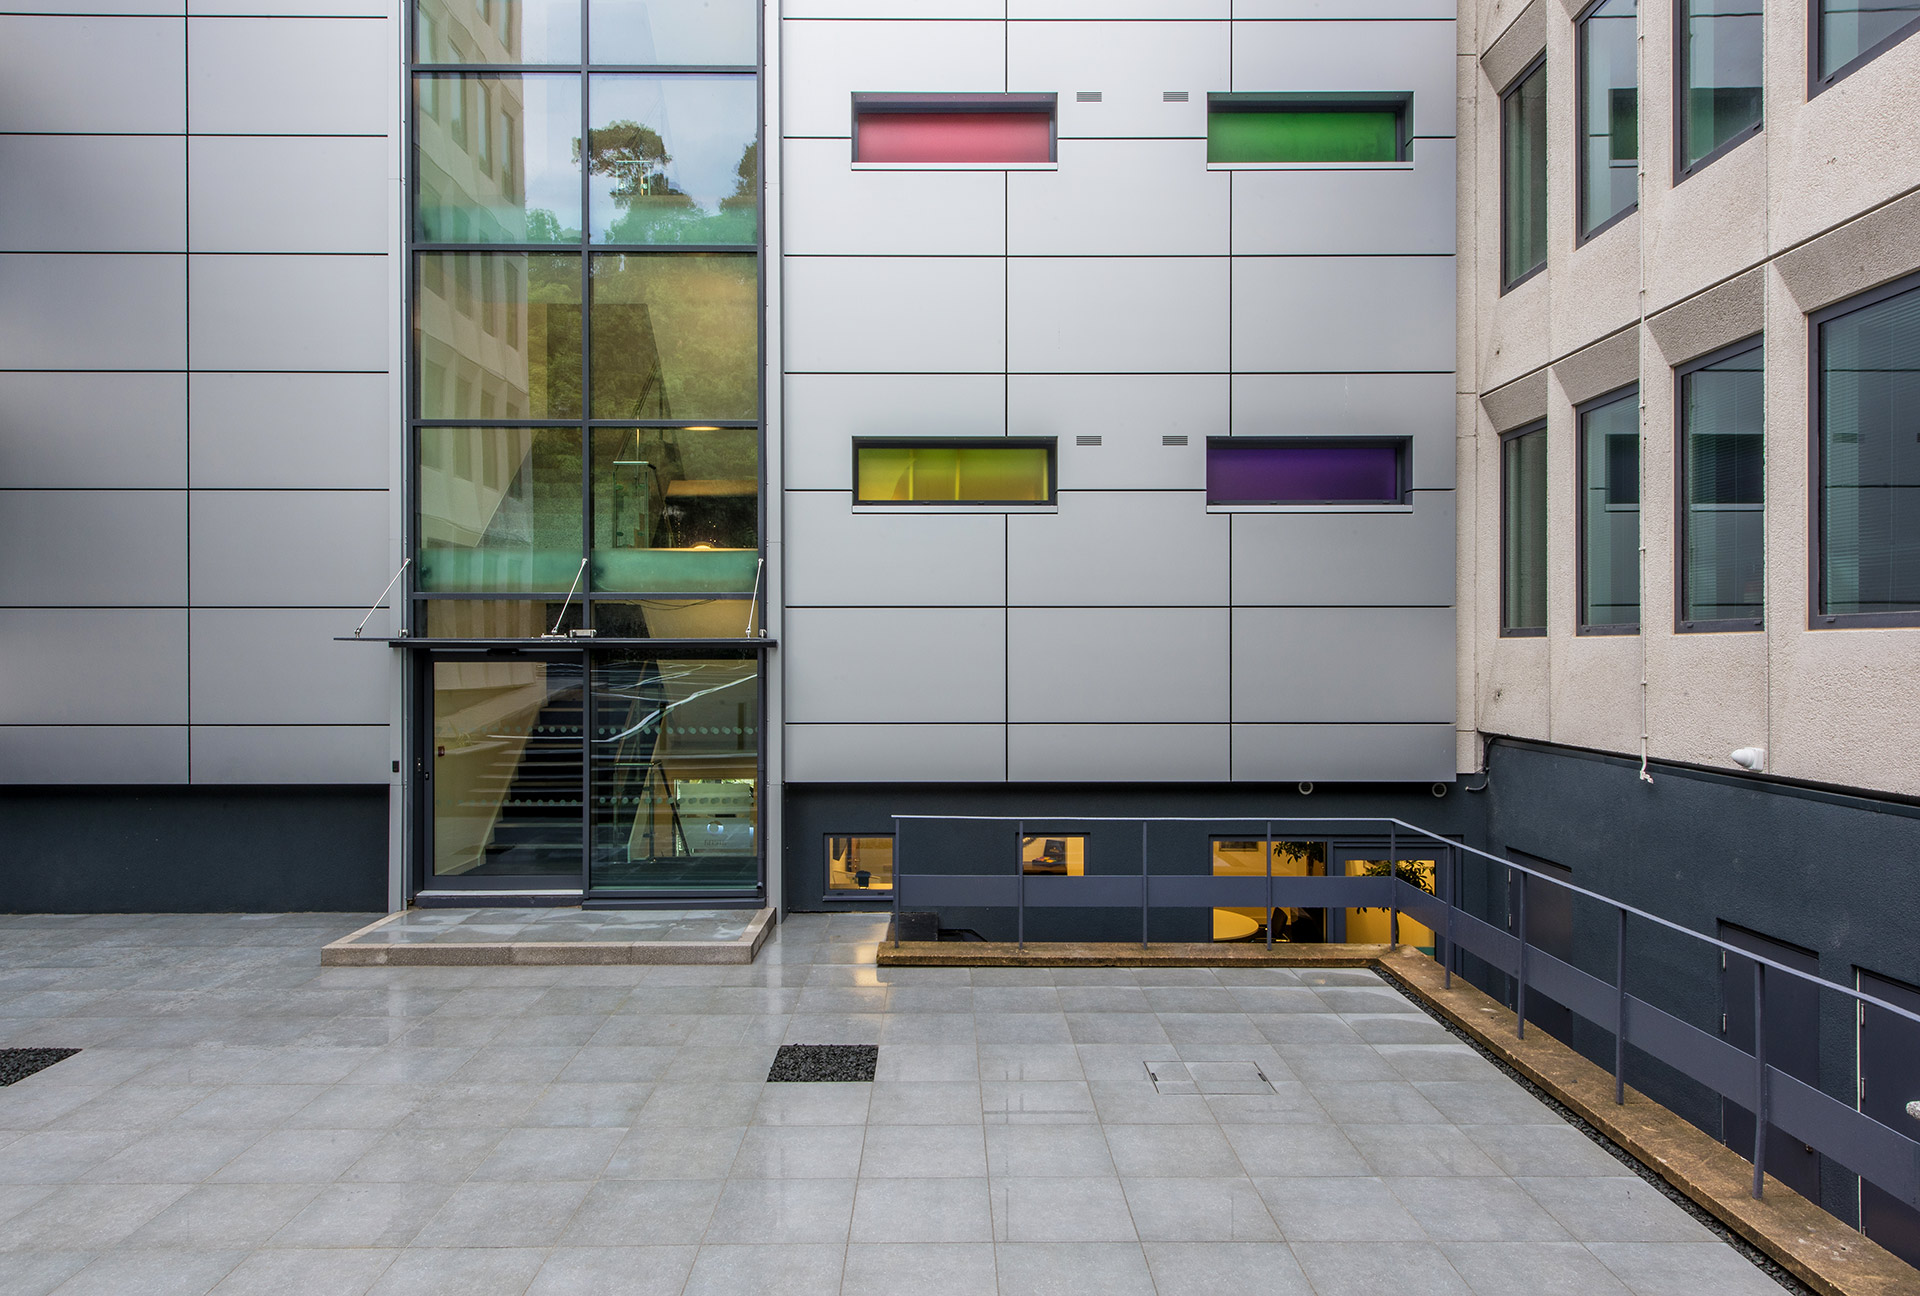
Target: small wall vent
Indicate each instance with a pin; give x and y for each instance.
(1173, 440)
(1173, 96)
(1086, 96)
(1086, 440)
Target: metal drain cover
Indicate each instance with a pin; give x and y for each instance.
(810, 1063)
(1208, 1078)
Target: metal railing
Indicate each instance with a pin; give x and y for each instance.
(1884, 1156)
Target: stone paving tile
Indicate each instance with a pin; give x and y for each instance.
(243, 1121)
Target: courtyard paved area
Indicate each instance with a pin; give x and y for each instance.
(243, 1121)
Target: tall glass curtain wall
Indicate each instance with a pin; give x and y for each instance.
(1610, 514)
(1609, 113)
(1722, 493)
(1870, 459)
(1523, 177)
(1719, 74)
(585, 431)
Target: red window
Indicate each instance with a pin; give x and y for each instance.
(953, 128)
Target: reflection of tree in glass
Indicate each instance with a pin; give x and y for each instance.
(553, 335)
(652, 205)
(634, 155)
(544, 227)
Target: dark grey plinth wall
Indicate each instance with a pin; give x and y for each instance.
(193, 850)
(1827, 872)
(816, 811)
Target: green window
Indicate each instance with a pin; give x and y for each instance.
(953, 472)
(1523, 532)
(1307, 128)
(1523, 176)
(1610, 514)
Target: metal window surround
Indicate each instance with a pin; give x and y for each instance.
(1630, 392)
(866, 103)
(1399, 102)
(1581, 236)
(1816, 30)
(1507, 92)
(1680, 502)
(1508, 631)
(1050, 444)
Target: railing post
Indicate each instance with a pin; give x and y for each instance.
(1759, 1075)
(1143, 884)
(898, 882)
(1520, 980)
(1020, 882)
(1393, 888)
(1620, 1009)
(1451, 859)
(1266, 847)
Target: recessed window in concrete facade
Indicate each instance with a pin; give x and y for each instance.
(1523, 176)
(1610, 514)
(1723, 492)
(1851, 32)
(1523, 531)
(1609, 113)
(1719, 77)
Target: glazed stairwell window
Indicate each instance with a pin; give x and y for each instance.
(953, 471)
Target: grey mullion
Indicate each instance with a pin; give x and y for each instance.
(522, 249)
(537, 69)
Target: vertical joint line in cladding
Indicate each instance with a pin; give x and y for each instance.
(186, 376)
(1006, 420)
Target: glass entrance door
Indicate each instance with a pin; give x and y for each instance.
(506, 772)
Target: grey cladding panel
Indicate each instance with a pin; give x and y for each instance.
(288, 194)
(1343, 313)
(284, 666)
(92, 75)
(1096, 205)
(1130, 413)
(1420, 406)
(291, 754)
(841, 556)
(870, 315)
(1098, 665)
(1130, 63)
(327, 430)
(895, 665)
(288, 76)
(113, 666)
(81, 548)
(1334, 559)
(289, 313)
(1120, 548)
(64, 311)
(99, 193)
(93, 429)
(289, 549)
(823, 64)
(1117, 753)
(1342, 753)
(829, 209)
(1125, 315)
(1332, 211)
(95, 754)
(1343, 664)
(1344, 57)
(824, 412)
(895, 753)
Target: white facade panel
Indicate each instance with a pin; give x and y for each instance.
(1091, 665)
(916, 9)
(64, 311)
(92, 193)
(92, 75)
(1347, 559)
(824, 412)
(1343, 665)
(1110, 9)
(1343, 314)
(1343, 753)
(289, 312)
(93, 548)
(289, 76)
(1132, 414)
(1137, 548)
(93, 430)
(289, 549)
(290, 194)
(80, 666)
(1357, 210)
(1344, 57)
(895, 315)
(1124, 314)
(830, 209)
(92, 754)
(291, 753)
(1131, 65)
(283, 666)
(1416, 405)
(896, 753)
(893, 665)
(289, 8)
(824, 64)
(1121, 198)
(1117, 753)
(1348, 9)
(326, 431)
(841, 556)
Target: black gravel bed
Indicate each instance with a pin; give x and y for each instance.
(1758, 1258)
(17, 1064)
(810, 1063)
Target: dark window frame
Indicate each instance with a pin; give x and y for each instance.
(865, 102)
(1268, 101)
(1581, 627)
(1582, 139)
(1536, 64)
(1050, 444)
(1682, 502)
(1817, 617)
(1816, 35)
(1507, 630)
(1681, 167)
(1403, 469)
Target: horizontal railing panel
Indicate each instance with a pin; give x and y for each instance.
(1564, 983)
(958, 890)
(1856, 1140)
(1486, 941)
(1097, 892)
(1688, 1049)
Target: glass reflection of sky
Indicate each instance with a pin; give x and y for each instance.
(705, 123)
(552, 124)
(696, 33)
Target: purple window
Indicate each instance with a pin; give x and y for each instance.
(1304, 472)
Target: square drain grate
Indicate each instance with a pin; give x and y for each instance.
(17, 1064)
(816, 1062)
(1208, 1078)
